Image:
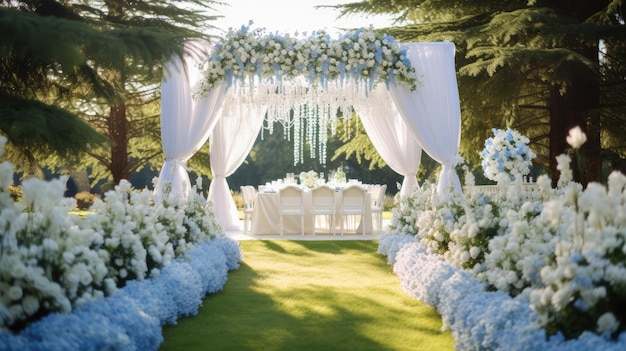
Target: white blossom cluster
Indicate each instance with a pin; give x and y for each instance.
(309, 179)
(53, 261)
(362, 56)
(407, 209)
(561, 249)
(506, 154)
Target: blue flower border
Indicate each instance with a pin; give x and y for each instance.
(132, 318)
(478, 319)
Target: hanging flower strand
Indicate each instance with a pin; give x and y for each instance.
(362, 56)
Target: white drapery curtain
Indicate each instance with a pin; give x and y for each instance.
(185, 126)
(432, 112)
(231, 141)
(395, 144)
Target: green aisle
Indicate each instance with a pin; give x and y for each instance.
(310, 295)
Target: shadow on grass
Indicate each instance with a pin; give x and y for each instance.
(310, 296)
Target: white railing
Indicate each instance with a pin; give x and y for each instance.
(528, 189)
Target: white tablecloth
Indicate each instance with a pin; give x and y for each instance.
(266, 217)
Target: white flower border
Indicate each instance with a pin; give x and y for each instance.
(478, 319)
(132, 318)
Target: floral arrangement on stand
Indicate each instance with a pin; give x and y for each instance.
(362, 56)
(545, 271)
(309, 179)
(506, 154)
(61, 274)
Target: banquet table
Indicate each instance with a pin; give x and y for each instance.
(266, 217)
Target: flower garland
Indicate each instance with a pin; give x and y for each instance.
(362, 56)
(506, 153)
(289, 77)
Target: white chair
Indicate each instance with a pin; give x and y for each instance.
(373, 189)
(248, 195)
(353, 203)
(378, 204)
(291, 203)
(323, 204)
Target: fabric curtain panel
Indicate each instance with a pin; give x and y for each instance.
(432, 112)
(185, 126)
(231, 141)
(394, 142)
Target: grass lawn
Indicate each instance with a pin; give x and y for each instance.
(310, 295)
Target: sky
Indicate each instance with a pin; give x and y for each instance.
(289, 16)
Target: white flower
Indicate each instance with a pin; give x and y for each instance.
(607, 323)
(474, 251)
(465, 257)
(576, 137)
(30, 304)
(15, 292)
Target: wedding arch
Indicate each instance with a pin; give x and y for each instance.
(406, 95)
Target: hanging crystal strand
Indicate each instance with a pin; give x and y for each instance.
(346, 125)
(333, 126)
(286, 116)
(297, 145)
(311, 135)
(323, 135)
(300, 140)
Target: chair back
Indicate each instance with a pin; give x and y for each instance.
(374, 190)
(291, 197)
(353, 198)
(323, 197)
(380, 196)
(247, 195)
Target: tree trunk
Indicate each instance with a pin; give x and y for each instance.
(118, 131)
(577, 106)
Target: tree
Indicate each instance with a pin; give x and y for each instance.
(35, 75)
(358, 144)
(100, 60)
(541, 67)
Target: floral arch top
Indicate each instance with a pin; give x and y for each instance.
(362, 57)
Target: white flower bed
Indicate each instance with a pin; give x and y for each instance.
(480, 319)
(512, 270)
(132, 318)
(93, 283)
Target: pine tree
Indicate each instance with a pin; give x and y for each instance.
(541, 67)
(95, 61)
